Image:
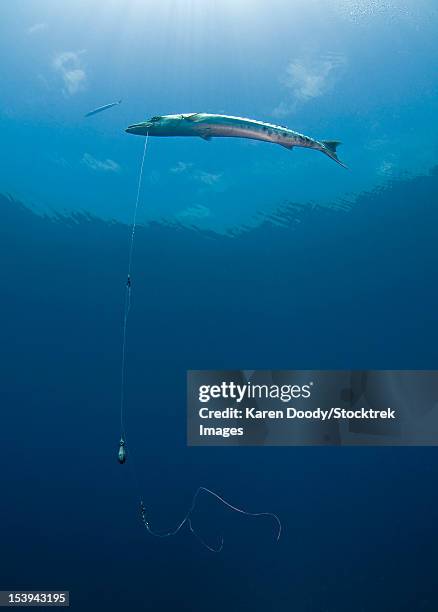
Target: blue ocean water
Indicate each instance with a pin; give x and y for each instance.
(247, 256)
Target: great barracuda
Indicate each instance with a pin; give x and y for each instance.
(208, 126)
(102, 108)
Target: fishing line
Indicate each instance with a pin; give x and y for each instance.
(128, 287)
(187, 520)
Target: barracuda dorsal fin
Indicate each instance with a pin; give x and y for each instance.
(190, 117)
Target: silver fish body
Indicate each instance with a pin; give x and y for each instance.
(209, 126)
(100, 109)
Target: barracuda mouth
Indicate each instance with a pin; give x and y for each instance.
(138, 128)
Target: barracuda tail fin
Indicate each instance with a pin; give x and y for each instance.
(329, 148)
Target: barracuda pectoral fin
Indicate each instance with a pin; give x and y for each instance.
(205, 137)
(286, 145)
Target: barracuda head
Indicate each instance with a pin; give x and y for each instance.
(158, 126)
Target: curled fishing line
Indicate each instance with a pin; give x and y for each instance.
(188, 519)
(121, 456)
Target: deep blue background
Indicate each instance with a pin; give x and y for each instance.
(308, 288)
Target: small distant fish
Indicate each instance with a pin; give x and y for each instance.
(102, 108)
(209, 126)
